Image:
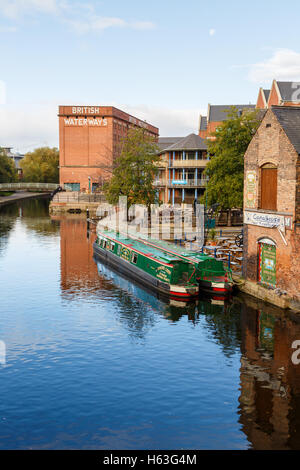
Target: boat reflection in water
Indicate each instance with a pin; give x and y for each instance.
(171, 308)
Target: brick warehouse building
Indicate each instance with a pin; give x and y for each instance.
(272, 202)
(90, 138)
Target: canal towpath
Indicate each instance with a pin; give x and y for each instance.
(19, 196)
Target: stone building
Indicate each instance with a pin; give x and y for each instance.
(272, 203)
(90, 139)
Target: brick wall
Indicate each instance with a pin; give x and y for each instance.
(90, 138)
(271, 145)
(260, 104)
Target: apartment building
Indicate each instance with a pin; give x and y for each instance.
(183, 160)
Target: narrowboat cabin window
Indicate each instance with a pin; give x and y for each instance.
(134, 258)
(112, 246)
(119, 249)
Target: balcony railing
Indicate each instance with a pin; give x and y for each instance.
(188, 163)
(165, 163)
(183, 183)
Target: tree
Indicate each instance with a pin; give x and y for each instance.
(226, 166)
(41, 165)
(8, 171)
(134, 171)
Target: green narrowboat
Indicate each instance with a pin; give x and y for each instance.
(211, 274)
(164, 272)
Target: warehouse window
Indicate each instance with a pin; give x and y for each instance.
(72, 186)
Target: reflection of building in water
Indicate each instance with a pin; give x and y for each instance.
(78, 269)
(270, 382)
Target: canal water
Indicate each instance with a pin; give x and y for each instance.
(89, 360)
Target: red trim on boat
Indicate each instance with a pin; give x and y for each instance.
(183, 294)
(219, 289)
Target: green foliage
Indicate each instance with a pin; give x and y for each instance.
(8, 172)
(135, 170)
(212, 234)
(41, 165)
(226, 167)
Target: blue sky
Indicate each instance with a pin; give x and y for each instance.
(162, 61)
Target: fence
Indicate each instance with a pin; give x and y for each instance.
(75, 196)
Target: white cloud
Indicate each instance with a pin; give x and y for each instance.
(212, 32)
(80, 16)
(2, 92)
(28, 127)
(15, 8)
(95, 24)
(171, 122)
(284, 64)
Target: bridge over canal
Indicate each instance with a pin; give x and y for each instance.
(47, 187)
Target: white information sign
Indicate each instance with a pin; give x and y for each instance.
(264, 220)
(86, 122)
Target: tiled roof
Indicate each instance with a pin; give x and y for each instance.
(288, 89)
(164, 142)
(191, 142)
(219, 113)
(267, 94)
(203, 123)
(289, 119)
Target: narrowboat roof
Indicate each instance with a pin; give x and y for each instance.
(139, 246)
(177, 250)
(154, 251)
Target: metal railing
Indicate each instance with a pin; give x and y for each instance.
(182, 183)
(165, 163)
(27, 186)
(74, 196)
(188, 163)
